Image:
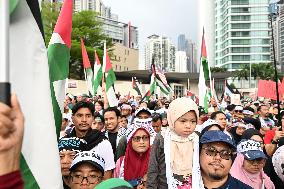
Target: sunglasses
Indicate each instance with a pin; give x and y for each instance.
(239, 111)
(138, 138)
(224, 154)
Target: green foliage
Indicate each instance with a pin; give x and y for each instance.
(218, 69)
(49, 14)
(258, 71)
(85, 24)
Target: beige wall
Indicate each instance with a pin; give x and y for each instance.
(123, 87)
(125, 58)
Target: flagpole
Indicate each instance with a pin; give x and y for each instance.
(86, 81)
(4, 53)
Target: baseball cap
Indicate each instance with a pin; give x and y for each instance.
(113, 183)
(88, 157)
(142, 109)
(240, 108)
(209, 122)
(217, 136)
(251, 149)
(72, 144)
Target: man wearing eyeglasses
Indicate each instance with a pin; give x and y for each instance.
(86, 171)
(216, 154)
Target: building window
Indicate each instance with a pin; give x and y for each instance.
(119, 68)
(179, 90)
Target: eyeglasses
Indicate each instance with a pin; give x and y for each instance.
(138, 138)
(239, 111)
(91, 179)
(224, 154)
(258, 161)
(142, 182)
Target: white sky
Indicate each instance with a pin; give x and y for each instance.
(163, 17)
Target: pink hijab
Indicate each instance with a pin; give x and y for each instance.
(253, 180)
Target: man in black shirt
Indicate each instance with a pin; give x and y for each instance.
(216, 154)
(111, 115)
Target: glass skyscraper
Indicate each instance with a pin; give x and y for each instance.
(242, 33)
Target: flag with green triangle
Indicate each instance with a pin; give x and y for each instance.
(203, 76)
(58, 60)
(88, 69)
(146, 96)
(98, 73)
(29, 75)
(153, 84)
(109, 79)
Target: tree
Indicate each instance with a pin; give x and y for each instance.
(258, 71)
(217, 69)
(86, 25)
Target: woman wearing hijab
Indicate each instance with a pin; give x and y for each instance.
(134, 165)
(249, 163)
(174, 151)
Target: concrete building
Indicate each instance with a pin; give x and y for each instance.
(162, 51)
(190, 48)
(181, 61)
(242, 33)
(93, 5)
(125, 58)
(182, 43)
(281, 37)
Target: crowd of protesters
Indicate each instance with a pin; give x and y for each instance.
(164, 143)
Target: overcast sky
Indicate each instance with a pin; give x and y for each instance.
(163, 17)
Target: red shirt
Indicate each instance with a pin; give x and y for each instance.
(268, 137)
(11, 180)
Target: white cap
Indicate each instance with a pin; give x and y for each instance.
(88, 157)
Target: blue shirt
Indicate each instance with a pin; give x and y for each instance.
(233, 183)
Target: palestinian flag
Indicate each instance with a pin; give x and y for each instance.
(203, 77)
(135, 86)
(146, 96)
(58, 60)
(153, 84)
(98, 74)
(160, 79)
(109, 79)
(87, 69)
(29, 75)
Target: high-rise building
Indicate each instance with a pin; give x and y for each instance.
(182, 43)
(190, 49)
(82, 5)
(281, 37)
(162, 51)
(242, 33)
(181, 61)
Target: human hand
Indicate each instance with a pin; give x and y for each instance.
(11, 135)
(278, 135)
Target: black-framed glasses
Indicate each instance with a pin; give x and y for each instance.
(91, 179)
(258, 161)
(224, 154)
(138, 138)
